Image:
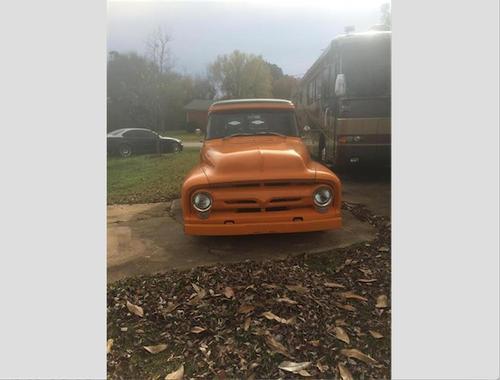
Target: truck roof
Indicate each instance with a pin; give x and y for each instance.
(238, 104)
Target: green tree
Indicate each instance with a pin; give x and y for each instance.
(129, 96)
(145, 91)
(202, 88)
(241, 75)
(276, 71)
(284, 87)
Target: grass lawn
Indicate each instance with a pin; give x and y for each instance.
(145, 179)
(184, 135)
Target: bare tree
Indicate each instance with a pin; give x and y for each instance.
(160, 59)
(157, 50)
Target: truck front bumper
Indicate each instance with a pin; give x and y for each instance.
(250, 227)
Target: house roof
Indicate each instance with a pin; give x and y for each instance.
(198, 105)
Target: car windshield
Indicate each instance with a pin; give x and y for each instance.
(251, 123)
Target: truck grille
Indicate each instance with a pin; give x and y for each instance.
(262, 197)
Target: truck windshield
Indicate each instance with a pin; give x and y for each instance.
(367, 67)
(251, 123)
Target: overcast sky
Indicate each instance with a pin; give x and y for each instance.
(289, 34)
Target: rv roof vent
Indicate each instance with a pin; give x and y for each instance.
(349, 29)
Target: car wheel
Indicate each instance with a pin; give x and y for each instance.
(175, 148)
(125, 150)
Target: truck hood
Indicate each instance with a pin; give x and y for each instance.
(256, 158)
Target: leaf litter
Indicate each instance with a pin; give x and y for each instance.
(249, 320)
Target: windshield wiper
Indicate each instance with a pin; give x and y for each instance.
(237, 134)
(254, 134)
(271, 133)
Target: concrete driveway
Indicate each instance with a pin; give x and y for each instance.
(148, 238)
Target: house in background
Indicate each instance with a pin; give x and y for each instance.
(197, 113)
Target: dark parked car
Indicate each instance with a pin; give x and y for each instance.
(128, 141)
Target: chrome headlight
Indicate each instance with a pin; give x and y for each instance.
(202, 202)
(323, 196)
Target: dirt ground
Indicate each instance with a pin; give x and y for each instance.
(148, 238)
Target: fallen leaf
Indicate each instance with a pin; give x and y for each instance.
(270, 286)
(287, 300)
(383, 249)
(198, 329)
(156, 349)
(134, 309)
(382, 301)
(276, 346)
(351, 295)
(358, 331)
(291, 320)
(123, 329)
(340, 334)
(171, 307)
(322, 367)
(367, 280)
(315, 343)
(345, 307)
(297, 288)
(304, 373)
(340, 322)
(271, 316)
(246, 325)
(333, 285)
(198, 297)
(356, 354)
(109, 344)
(293, 367)
(203, 348)
(196, 288)
(245, 309)
(375, 334)
(366, 272)
(228, 292)
(176, 375)
(345, 374)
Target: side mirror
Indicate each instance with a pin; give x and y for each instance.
(340, 89)
(307, 129)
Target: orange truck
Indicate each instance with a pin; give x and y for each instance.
(256, 176)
